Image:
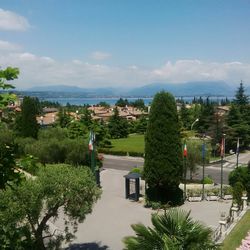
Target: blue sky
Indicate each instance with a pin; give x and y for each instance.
(92, 43)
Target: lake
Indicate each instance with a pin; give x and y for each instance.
(113, 100)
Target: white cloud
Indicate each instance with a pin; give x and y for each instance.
(7, 46)
(195, 70)
(11, 21)
(43, 70)
(99, 56)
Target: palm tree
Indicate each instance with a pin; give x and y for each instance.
(173, 230)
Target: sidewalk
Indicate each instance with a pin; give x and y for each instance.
(112, 216)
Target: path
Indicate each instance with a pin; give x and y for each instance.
(112, 215)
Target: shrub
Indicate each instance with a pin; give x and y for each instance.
(29, 164)
(22, 142)
(237, 193)
(227, 190)
(194, 192)
(213, 191)
(208, 180)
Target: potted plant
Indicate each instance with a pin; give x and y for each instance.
(227, 193)
(213, 194)
(244, 193)
(194, 194)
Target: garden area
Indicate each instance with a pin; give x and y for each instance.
(233, 240)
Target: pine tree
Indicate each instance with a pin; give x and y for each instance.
(163, 166)
(241, 99)
(185, 116)
(118, 127)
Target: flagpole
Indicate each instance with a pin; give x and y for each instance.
(185, 170)
(237, 152)
(185, 179)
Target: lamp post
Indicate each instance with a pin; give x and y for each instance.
(194, 123)
(222, 154)
(203, 166)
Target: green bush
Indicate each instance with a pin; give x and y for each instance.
(237, 192)
(29, 164)
(22, 142)
(139, 154)
(172, 197)
(208, 180)
(156, 205)
(213, 191)
(110, 152)
(227, 190)
(194, 192)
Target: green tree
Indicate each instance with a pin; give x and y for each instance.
(238, 120)
(8, 173)
(26, 123)
(103, 104)
(28, 208)
(163, 165)
(63, 118)
(241, 99)
(86, 118)
(118, 127)
(122, 102)
(7, 74)
(139, 103)
(206, 116)
(240, 175)
(76, 129)
(173, 230)
(185, 116)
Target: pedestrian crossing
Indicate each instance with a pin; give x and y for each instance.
(229, 165)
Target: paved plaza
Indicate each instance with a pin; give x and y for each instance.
(112, 215)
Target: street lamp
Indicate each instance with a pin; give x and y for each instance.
(194, 123)
(222, 154)
(203, 166)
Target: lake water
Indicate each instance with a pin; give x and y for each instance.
(93, 101)
(112, 101)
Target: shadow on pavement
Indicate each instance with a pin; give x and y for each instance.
(87, 246)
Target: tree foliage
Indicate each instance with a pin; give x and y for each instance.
(173, 230)
(238, 120)
(8, 173)
(26, 123)
(7, 74)
(27, 209)
(118, 127)
(163, 166)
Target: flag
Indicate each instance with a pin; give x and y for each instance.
(185, 150)
(238, 147)
(91, 140)
(222, 147)
(203, 151)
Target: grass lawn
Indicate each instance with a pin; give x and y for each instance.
(233, 240)
(134, 143)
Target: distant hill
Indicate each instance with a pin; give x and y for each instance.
(195, 88)
(73, 89)
(185, 89)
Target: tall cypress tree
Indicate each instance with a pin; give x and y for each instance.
(163, 165)
(27, 124)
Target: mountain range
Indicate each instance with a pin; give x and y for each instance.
(196, 88)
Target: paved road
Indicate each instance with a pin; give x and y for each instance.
(214, 170)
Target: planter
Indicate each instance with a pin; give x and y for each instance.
(194, 198)
(228, 197)
(212, 198)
